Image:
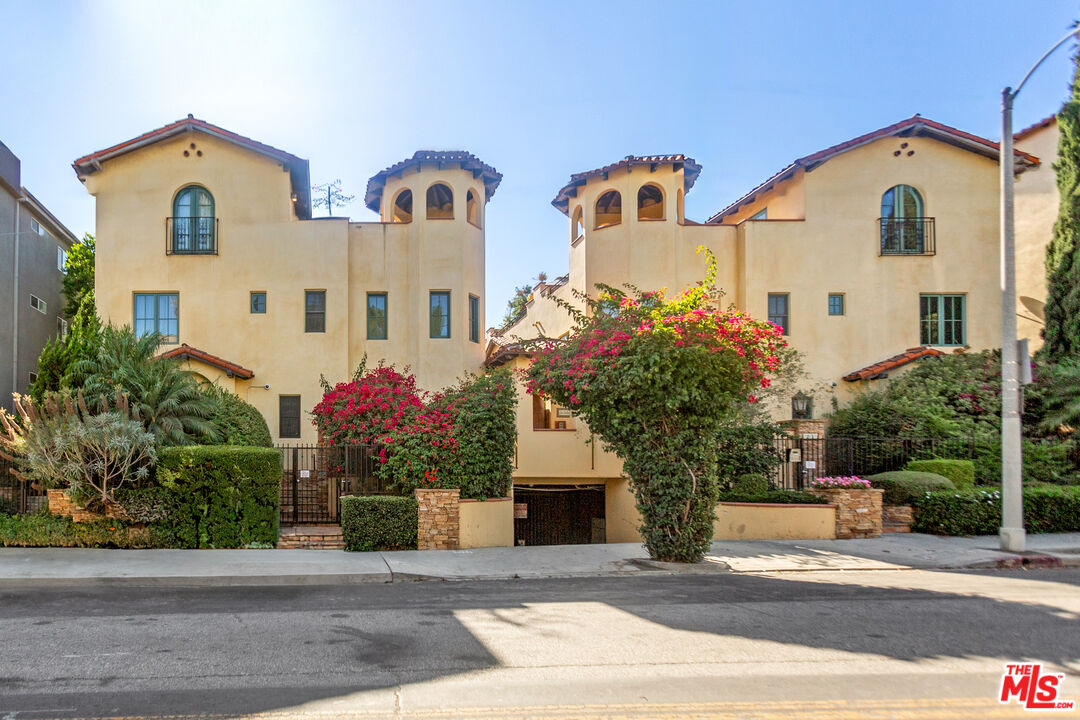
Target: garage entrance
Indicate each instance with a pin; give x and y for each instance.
(559, 514)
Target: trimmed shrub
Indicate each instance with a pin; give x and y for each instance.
(237, 422)
(1046, 510)
(379, 522)
(904, 487)
(221, 496)
(45, 530)
(786, 497)
(960, 472)
(750, 484)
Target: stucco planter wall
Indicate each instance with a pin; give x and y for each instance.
(486, 523)
(858, 511)
(774, 521)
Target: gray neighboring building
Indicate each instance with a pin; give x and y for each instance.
(33, 246)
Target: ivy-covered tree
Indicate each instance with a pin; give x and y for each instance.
(79, 277)
(1061, 331)
(656, 380)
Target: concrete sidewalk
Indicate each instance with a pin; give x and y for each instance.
(66, 566)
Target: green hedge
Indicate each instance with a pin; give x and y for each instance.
(218, 496)
(44, 530)
(960, 472)
(1046, 510)
(750, 484)
(379, 522)
(904, 487)
(793, 497)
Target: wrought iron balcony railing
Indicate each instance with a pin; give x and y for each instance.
(907, 236)
(191, 236)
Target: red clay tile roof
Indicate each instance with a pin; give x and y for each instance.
(298, 167)
(466, 160)
(691, 170)
(1045, 122)
(910, 355)
(186, 352)
(914, 125)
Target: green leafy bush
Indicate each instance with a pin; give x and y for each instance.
(379, 522)
(146, 505)
(747, 448)
(237, 422)
(787, 497)
(960, 472)
(750, 484)
(44, 530)
(904, 487)
(1046, 510)
(1045, 461)
(221, 496)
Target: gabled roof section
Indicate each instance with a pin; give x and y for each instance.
(186, 352)
(59, 229)
(297, 167)
(690, 169)
(465, 160)
(879, 369)
(914, 126)
(1044, 123)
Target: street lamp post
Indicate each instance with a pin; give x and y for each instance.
(1012, 497)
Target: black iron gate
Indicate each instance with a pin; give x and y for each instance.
(315, 477)
(560, 515)
(17, 496)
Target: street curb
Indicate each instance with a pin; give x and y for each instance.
(202, 581)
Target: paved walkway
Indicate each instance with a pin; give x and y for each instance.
(48, 566)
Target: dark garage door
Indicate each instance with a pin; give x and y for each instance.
(560, 515)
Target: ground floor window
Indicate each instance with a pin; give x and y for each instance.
(158, 313)
(289, 416)
(941, 320)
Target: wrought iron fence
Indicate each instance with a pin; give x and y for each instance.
(803, 459)
(314, 477)
(907, 236)
(191, 236)
(17, 496)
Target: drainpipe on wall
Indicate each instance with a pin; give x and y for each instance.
(15, 305)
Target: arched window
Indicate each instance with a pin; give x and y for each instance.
(609, 209)
(903, 223)
(193, 222)
(577, 227)
(440, 202)
(472, 208)
(402, 211)
(650, 202)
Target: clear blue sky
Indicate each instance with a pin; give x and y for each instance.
(537, 89)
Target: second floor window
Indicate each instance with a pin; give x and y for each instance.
(905, 230)
(778, 311)
(315, 311)
(193, 222)
(258, 303)
(376, 316)
(158, 313)
(474, 319)
(61, 259)
(440, 313)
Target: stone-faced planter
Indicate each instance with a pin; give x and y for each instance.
(897, 518)
(61, 504)
(858, 510)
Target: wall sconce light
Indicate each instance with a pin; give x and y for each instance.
(802, 406)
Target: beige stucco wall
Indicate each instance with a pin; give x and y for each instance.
(1036, 209)
(621, 516)
(751, 521)
(488, 523)
(263, 247)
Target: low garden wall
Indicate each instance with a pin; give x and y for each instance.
(486, 523)
(858, 510)
(767, 521)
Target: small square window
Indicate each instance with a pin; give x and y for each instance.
(836, 303)
(35, 226)
(258, 303)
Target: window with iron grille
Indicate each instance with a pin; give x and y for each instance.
(314, 311)
(941, 320)
(193, 222)
(289, 416)
(376, 316)
(778, 311)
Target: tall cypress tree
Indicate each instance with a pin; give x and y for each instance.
(1062, 329)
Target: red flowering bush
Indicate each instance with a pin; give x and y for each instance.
(656, 379)
(461, 437)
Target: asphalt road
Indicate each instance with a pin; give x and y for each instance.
(864, 645)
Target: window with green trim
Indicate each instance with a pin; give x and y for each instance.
(376, 316)
(778, 311)
(314, 311)
(440, 313)
(158, 313)
(193, 221)
(258, 303)
(941, 320)
(289, 416)
(474, 319)
(836, 303)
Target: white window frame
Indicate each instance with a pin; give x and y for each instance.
(61, 259)
(35, 226)
(38, 304)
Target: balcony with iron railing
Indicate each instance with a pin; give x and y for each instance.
(907, 236)
(191, 236)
